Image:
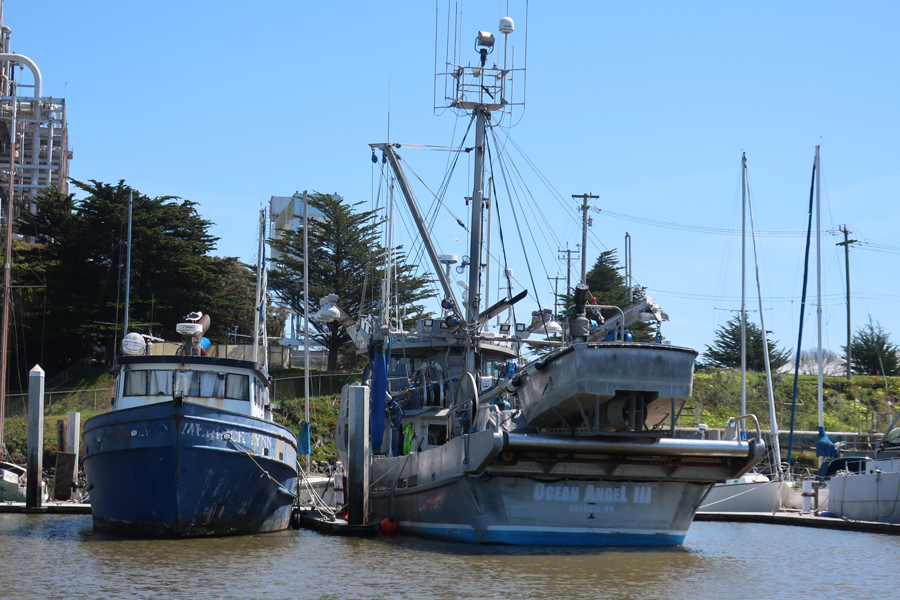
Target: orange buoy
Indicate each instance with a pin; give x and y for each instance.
(388, 526)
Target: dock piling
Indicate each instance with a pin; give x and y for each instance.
(359, 456)
(35, 459)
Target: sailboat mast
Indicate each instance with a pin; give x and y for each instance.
(744, 284)
(306, 312)
(819, 280)
(773, 424)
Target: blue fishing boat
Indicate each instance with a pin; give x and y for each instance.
(189, 447)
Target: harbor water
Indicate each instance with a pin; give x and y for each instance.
(55, 556)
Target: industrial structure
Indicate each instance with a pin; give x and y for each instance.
(34, 140)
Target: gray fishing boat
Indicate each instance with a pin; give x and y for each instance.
(470, 442)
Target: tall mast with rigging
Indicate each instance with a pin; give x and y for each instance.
(773, 424)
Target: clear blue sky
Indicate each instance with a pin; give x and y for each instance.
(648, 105)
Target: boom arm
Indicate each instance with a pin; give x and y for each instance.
(645, 310)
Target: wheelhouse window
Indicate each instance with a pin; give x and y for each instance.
(237, 387)
(135, 383)
(211, 385)
(160, 383)
(200, 384)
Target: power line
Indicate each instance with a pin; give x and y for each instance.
(703, 229)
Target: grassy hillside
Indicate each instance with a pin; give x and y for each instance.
(861, 404)
(716, 397)
(325, 399)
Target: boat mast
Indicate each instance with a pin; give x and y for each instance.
(743, 285)
(259, 318)
(474, 298)
(128, 262)
(819, 281)
(773, 424)
(306, 312)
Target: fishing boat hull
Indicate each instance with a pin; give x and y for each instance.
(568, 512)
(185, 470)
(508, 488)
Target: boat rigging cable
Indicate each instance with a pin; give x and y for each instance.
(563, 202)
(534, 204)
(418, 247)
(518, 228)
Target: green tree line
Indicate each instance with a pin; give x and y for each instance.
(70, 274)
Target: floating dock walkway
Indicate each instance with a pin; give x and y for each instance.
(313, 519)
(802, 520)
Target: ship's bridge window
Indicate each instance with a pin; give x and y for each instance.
(160, 383)
(220, 385)
(237, 387)
(135, 383)
(209, 385)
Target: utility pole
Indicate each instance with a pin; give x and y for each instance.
(568, 259)
(628, 267)
(556, 281)
(846, 244)
(585, 207)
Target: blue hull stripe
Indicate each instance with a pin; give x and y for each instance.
(549, 536)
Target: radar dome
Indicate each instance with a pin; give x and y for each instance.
(506, 25)
(133, 344)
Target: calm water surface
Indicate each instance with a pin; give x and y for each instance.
(52, 556)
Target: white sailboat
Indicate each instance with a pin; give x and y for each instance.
(752, 492)
(811, 493)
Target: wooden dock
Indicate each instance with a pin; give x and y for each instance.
(797, 519)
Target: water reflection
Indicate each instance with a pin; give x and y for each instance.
(715, 561)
